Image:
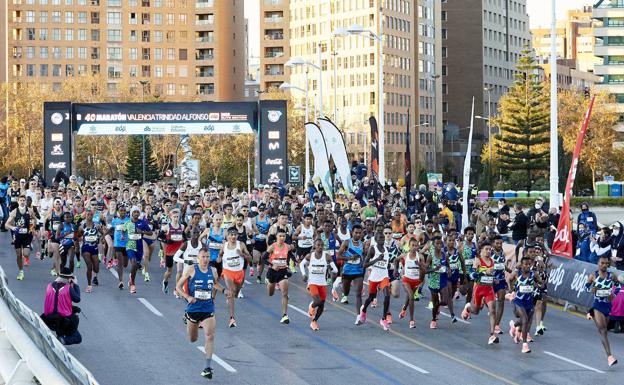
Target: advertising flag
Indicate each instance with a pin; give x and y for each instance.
(374, 147)
(336, 149)
(466, 188)
(321, 160)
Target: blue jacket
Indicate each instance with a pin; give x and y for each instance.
(3, 189)
(589, 219)
(583, 251)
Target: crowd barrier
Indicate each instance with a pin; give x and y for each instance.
(28, 345)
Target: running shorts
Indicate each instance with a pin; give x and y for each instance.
(22, 241)
(91, 249)
(603, 307)
(169, 261)
(527, 305)
(133, 254)
(303, 251)
(351, 277)
(483, 294)
(237, 276)
(121, 250)
(501, 285)
(149, 241)
(197, 317)
(218, 266)
(318, 290)
(373, 287)
(276, 276)
(413, 283)
(260, 246)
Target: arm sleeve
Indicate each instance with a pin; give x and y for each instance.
(74, 293)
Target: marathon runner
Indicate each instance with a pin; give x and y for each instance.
(90, 234)
(21, 222)
(377, 258)
(413, 277)
(278, 272)
(314, 269)
(232, 257)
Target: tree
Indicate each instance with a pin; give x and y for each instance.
(523, 121)
(134, 161)
(597, 153)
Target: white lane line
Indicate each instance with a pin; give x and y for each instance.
(400, 361)
(219, 361)
(114, 273)
(247, 282)
(150, 307)
(458, 318)
(295, 308)
(573, 362)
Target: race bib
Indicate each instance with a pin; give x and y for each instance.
(119, 227)
(602, 293)
(442, 269)
(203, 295)
(320, 270)
(176, 237)
(525, 289)
(279, 262)
(499, 266)
(261, 236)
(69, 236)
(469, 263)
(55, 226)
(590, 219)
(22, 230)
(355, 261)
(90, 238)
(381, 264)
(486, 280)
(134, 237)
(248, 242)
(214, 245)
(454, 266)
(414, 271)
(233, 262)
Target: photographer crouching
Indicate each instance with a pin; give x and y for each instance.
(58, 313)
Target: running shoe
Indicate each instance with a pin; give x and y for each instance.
(162, 262)
(232, 323)
(311, 310)
(512, 330)
(95, 281)
(430, 305)
(384, 324)
(466, 312)
(589, 316)
(525, 348)
(115, 262)
(88, 289)
(374, 303)
(53, 273)
(165, 287)
(497, 330)
(101, 257)
(259, 280)
(20, 275)
(240, 294)
(314, 325)
(453, 319)
(285, 319)
(120, 286)
(389, 318)
(335, 295)
(358, 321)
(362, 315)
(38, 255)
(493, 339)
(26, 261)
(529, 338)
(541, 324)
(146, 277)
(403, 312)
(109, 265)
(539, 331)
(176, 295)
(344, 299)
(78, 264)
(412, 324)
(416, 295)
(143, 271)
(207, 373)
(433, 325)
(251, 271)
(292, 267)
(132, 289)
(611, 360)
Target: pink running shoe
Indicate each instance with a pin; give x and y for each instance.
(384, 324)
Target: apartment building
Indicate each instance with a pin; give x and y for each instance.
(178, 50)
(274, 43)
(481, 43)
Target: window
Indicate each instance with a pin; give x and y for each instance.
(145, 36)
(82, 34)
(69, 52)
(133, 53)
(158, 18)
(183, 89)
(182, 18)
(95, 35)
(158, 54)
(444, 16)
(82, 53)
(56, 52)
(30, 34)
(158, 71)
(114, 35)
(114, 71)
(43, 53)
(145, 53)
(30, 52)
(95, 18)
(170, 18)
(95, 53)
(171, 88)
(30, 16)
(134, 71)
(43, 70)
(170, 53)
(158, 36)
(82, 18)
(43, 16)
(69, 17)
(114, 18)
(114, 3)
(182, 54)
(133, 36)
(69, 34)
(56, 70)
(56, 16)
(170, 71)
(114, 53)
(82, 69)
(56, 34)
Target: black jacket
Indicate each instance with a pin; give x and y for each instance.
(519, 226)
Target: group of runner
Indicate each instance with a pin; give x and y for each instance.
(215, 237)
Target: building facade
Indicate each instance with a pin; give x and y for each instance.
(173, 49)
(274, 43)
(481, 42)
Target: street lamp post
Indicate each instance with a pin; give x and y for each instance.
(489, 127)
(433, 78)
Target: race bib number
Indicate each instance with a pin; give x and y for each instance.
(69, 236)
(119, 227)
(214, 245)
(261, 236)
(486, 280)
(469, 263)
(22, 230)
(233, 262)
(454, 266)
(55, 226)
(499, 266)
(134, 237)
(381, 264)
(442, 269)
(602, 293)
(413, 271)
(90, 238)
(203, 295)
(590, 219)
(279, 262)
(320, 270)
(176, 237)
(356, 261)
(525, 289)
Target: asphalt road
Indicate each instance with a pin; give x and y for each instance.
(140, 339)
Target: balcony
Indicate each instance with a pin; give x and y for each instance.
(274, 71)
(275, 54)
(274, 19)
(204, 22)
(609, 69)
(204, 39)
(274, 36)
(273, 3)
(599, 13)
(204, 74)
(606, 50)
(204, 4)
(617, 30)
(204, 57)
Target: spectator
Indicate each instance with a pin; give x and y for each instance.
(520, 225)
(538, 218)
(616, 316)
(480, 217)
(600, 246)
(617, 246)
(582, 243)
(502, 206)
(553, 222)
(58, 312)
(588, 217)
(4, 186)
(361, 170)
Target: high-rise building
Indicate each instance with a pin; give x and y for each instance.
(175, 49)
(575, 39)
(481, 43)
(610, 49)
(274, 43)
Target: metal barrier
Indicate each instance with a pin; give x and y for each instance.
(50, 362)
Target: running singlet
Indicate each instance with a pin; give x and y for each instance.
(190, 253)
(308, 233)
(55, 222)
(469, 254)
(22, 223)
(279, 258)
(175, 238)
(232, 258)
(90, 236)
(379, 270)
(201, 287)
(411, 270)
(119, 226)
(603, 287)
(438, 279)
(485, 279)
(355, 266)
(499, 266)
(263, 229)
(343, 236)
(317, 270)
(215, 241)
(454, 262)
(525, 287)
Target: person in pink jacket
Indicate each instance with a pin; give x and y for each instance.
(616, 316)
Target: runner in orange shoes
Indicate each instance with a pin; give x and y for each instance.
(314, 269)
(233, 256)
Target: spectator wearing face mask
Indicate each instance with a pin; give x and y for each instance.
(583, 241)
(601, 245)
(617, 246)
(588, 217)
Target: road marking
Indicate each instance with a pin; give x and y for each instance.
(423, 345)
(573, 362)
(150, 307)
(114, 273)
(400, 361)
(247, 282)
(295, 308)
(458, 318)
(219, 361)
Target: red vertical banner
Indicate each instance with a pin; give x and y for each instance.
(562, 245)
(374, 147)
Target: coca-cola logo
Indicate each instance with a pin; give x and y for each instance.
(274, 162)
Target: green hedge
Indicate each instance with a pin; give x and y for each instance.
(576, 201)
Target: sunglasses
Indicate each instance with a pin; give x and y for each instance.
(387, 233)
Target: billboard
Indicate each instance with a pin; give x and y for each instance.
(165, 118)
(57, 139)
(273, 137)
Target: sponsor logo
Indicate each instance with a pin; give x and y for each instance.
(92, 129)
(121, 128)
(295, 174)
(56, 137)
(274, 178)
(274, 116)
(208, 128)
(236, 128)
(181, 129)
(57, 150)
(275, 135)
(147, 129)
(274, 146)
(57, 118)
(57, 165)
(213, 116)
(274, 162)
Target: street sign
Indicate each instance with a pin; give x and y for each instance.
(294, 175)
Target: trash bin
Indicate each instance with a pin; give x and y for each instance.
(535, 194)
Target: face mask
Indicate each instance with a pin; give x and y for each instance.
(585, 210)
(440, 205)
(192, 203)
(448, 188)
(501, 205)
(616, 232)
(538, 206)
